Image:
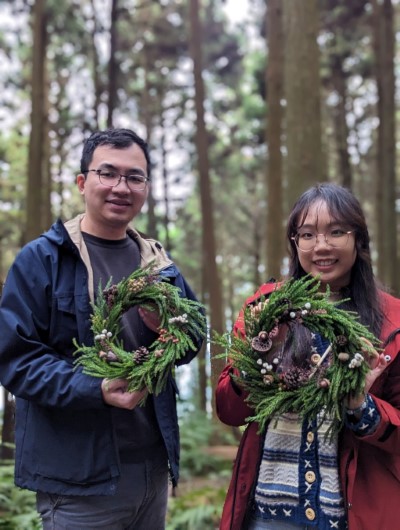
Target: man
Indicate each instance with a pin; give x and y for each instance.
(95, 459)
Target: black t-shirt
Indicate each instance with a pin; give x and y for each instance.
(137, 430)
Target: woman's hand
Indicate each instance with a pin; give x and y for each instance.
(381, 363)
(377, 363)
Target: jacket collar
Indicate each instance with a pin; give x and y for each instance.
(150, 249)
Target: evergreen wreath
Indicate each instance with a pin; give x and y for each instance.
(316, 387)
(182, 320)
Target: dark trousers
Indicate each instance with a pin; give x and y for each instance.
(140, 503)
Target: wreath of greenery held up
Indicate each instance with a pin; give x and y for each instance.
(181, 321)
(318, 389)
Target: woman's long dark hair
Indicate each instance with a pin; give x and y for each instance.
(345, 208)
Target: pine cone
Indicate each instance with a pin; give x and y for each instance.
(110, 294)
(141, 355)
(341, 340)
(283, 301)
(294, 378)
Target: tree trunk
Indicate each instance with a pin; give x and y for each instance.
(46, 211)
(164, 172)
(112, 65)
(302, 91)
(213, 285)
(202, 374)
(148, 121)
(7, 431)
(36, 178)
(274, 177)
(386, 157)
(95, 67)
(340, 123)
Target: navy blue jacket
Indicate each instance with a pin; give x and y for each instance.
(64, 434)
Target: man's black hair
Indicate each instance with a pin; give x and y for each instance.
(116, 138)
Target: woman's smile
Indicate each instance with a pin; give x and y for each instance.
(331, 264)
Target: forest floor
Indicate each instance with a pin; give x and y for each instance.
(225, 452)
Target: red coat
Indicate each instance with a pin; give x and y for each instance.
(369, 466)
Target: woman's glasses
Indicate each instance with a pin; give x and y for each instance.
(306, 240)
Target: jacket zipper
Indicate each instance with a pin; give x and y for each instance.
(345, 498)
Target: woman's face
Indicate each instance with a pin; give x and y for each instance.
(331, 264)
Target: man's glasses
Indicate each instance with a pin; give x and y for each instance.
(307, 240)
(111, 178)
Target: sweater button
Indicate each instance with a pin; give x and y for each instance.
(315, 358)
(310, 437)
(310, 514)
(310, 477)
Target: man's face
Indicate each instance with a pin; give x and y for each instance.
(110, 210)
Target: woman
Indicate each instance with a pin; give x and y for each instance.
(288, 477)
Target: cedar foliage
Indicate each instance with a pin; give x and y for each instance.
(298, 304)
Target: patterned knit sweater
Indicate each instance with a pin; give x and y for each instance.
(298, 479)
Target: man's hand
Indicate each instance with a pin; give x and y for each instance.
(150, 318)
(115, 393)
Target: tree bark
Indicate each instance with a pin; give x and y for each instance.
(113, 64)
(302, 91)
(36, 179)
(202, 374)
(213, 285)
(46, 209)
(95, 68)
(274, 177)
(7, 431)
(340, 123)
(384, 44)
(164, 173)
(148, 119)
